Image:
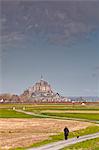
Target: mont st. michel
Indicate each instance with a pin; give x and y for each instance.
(41, 91)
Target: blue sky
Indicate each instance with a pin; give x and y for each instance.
(59, 40)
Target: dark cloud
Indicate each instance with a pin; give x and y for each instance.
(58, 21)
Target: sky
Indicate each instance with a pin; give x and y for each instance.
(56, 39)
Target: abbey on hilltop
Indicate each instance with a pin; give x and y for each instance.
(42, 92)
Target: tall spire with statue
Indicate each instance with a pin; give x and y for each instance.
(41, 77)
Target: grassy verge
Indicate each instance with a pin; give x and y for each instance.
(89, 116)
(92, 144)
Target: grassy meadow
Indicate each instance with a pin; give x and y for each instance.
(90, 112)
(57, 111)
(9, 113)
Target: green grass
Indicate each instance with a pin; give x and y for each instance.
(88, 130)
(8, 113)
(89, 116)
(60, 136)
(37, 108)
(92, 144)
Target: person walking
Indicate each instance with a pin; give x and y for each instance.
(66, 132)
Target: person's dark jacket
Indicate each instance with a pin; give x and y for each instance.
(66, 131)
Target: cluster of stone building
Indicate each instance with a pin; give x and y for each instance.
(42, 92)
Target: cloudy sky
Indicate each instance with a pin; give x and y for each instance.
(58, 39)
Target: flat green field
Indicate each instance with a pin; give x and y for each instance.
(62, 111)
(89, 116)
(88, 112)
(6, 111)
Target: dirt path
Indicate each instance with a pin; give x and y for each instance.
(61, 144)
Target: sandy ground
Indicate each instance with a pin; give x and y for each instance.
(24, 132)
